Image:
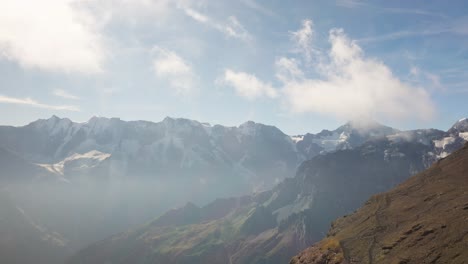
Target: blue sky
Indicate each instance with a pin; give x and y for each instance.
(299, 65)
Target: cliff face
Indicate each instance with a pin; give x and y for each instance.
(423, 220)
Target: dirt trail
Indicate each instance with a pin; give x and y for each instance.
(378, 226)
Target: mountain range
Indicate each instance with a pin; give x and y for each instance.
(272, 226)
(86, 181)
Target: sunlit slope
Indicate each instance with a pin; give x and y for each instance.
(423, 220)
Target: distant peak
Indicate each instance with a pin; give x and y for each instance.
(53, 122)
(97, 118)
(168, 119)
(248, 123)
(364, 124)
(54, 117)
(180, 121)
(460, 126)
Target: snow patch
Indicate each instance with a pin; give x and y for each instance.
(84, 161)
(443, 155)
(297, 139)
(463, 135)
(331, 142)
(442, 143)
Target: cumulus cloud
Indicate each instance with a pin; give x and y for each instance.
(352, 85)
(51, 35)
(64, 94)
(232, 28)
(169, 66)
(247, 85)
(33, 103)
(346, 83)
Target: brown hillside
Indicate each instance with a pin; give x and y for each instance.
(423, 220)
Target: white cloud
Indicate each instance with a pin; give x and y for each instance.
(349, 3)
(260, 8)
(170, 66)
(247, 85)
(51, 35)
(346, 84)
(353, 86)
(401, 34)
(288, 69)
(231, 28)
(196, 15)
(457, 27)
(303, 39)
(64, 94)
(132, 9)
(397, 10)
(33, 103)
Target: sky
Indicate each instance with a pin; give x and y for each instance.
(302, 66)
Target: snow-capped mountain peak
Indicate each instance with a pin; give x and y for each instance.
(460, 126)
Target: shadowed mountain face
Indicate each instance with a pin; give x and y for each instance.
(272, 226)
(423, 220)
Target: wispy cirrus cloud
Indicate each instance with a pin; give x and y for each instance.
(64, 94)
(350, 3)
(258, 7)
(412, 11)
(33, 103)
(303, 38)
(396, 10)
(457, 27)
(232, 28)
